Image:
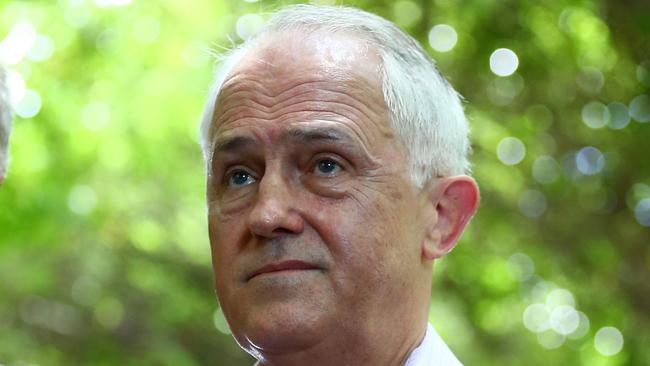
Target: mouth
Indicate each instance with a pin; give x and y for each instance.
(283, 266)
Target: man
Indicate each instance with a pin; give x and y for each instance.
(336, 160)
(5, 125)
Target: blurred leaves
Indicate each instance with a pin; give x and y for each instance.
(104, 257)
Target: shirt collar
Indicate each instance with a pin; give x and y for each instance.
(432, 351)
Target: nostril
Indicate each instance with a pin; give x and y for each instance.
(282, 231)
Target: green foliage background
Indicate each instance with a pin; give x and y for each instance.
(104, 257)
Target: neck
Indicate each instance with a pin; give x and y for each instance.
(386, 343)
(379, 336)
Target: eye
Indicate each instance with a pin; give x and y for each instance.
(239, 178)
(327, 167)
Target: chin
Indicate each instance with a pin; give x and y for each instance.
(280, 329)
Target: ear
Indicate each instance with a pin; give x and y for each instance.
(454, 201)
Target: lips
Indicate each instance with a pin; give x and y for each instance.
(288, 265)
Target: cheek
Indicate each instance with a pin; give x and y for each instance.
(225, 243)
(374, 214)
(224, 224)
(361, 233)
(375, 226)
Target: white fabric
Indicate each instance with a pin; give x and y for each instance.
(432, 352)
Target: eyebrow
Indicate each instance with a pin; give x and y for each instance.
(233, 143)
(302, 135)
(319, 134)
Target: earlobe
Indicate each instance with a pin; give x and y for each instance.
(454, 201)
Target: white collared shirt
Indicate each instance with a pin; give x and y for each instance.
(432, 352)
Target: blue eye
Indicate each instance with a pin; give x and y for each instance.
(327, 167)
(240, 178)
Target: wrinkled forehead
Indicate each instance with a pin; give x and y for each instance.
(287, 56)
(313, 73)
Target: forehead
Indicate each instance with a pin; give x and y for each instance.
(315, 75)
(289, 53)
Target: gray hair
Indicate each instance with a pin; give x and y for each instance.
(5, 123)
(425, 111)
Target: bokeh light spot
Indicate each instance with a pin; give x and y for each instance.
(109, 312)
(608, 341)
(550, 339)
(545, 169)
(590, 79)
(532, 203)
(17, 43)
(29, 105)
(443, 37)
(564, 319)
(643, 73)
(559, 297)
(640, 108)
(547, 141)
(406, 13)
(503, 62)
(590, 160)
(537, 318)
(82, 200)
(42, 49)
(619, 116)
(248, 24)
(511, 150)
(86, 290)
(503, 90)
(540, 291)
(147, 235)
(582, 328)
(595, 115)
(642, 212)
(16, 87)
(636, 193)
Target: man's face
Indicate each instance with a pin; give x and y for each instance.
(315, 225)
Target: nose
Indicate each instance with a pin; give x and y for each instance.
(274, 211)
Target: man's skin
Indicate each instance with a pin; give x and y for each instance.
(322, 245)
